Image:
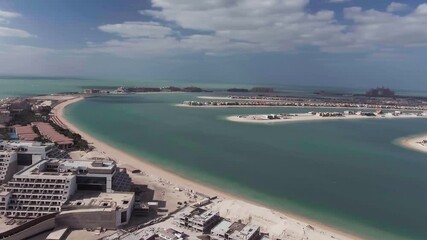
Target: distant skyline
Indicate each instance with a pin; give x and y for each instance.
(344, 43)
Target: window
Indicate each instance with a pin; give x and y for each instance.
(124, 216)
(25, 159)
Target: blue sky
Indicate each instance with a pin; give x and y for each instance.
(349, 43)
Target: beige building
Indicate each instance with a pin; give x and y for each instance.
(96, 209)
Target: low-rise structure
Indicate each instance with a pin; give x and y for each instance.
(50, 133)
(220, 231)
(227, 230)
(198, 219)
(171, 234)
(91, 91)
(25, 133)
(89, 209)
(248, 232)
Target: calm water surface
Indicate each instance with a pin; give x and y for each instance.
(345, 173)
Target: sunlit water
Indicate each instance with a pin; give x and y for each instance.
(345, 173)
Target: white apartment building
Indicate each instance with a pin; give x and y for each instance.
(28, 153)
(8, 165)
(43, 187)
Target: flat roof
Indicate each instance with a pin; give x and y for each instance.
(222, 228)
(93, 164)
(96, 200)
(39, 168)
(206, 216)
(246, 232)
(24, 144)
(249, 229)
(57, 233)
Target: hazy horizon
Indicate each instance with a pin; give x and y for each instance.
(342, 43)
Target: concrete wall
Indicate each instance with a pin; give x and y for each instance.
(73, 187)
(33, 230)
(12, 168)
(129, 213)
(80, 219)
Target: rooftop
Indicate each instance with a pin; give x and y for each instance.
(47, 130)
(222, 228)
(97, 200)
(16, 144)
(247, 231)
(206, 216)
(68, 167)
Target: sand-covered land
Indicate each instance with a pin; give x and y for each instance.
(173, 187)
(262, 118)
(414, 142)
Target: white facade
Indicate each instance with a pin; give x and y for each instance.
(8, 165)
(198, 219)
(28, 152)
(45, 186)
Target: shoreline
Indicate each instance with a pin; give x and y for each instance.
(412, 142)
(309, 107)
(128, 160)
(308, 118)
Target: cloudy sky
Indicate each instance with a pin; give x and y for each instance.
(354, 43)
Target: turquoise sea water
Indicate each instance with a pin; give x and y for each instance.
(347, 174)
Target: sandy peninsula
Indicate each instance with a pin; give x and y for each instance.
(415, 142)
(304, 117)
(279, 224)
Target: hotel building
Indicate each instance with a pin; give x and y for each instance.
(44, 186)
(17, 155)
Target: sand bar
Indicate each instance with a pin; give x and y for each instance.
(415, 142)
(262, 118)
(285, 222)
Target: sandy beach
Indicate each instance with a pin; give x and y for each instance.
(277, 223)
(414, 143)
(261, 119)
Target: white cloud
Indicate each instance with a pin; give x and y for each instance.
(7, 15)
(11, 32)
(338, 1)
(137, 29)
(396, 7)
(232, 26)
(229, 26)
(375, 28)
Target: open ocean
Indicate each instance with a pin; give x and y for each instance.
(347, 174)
